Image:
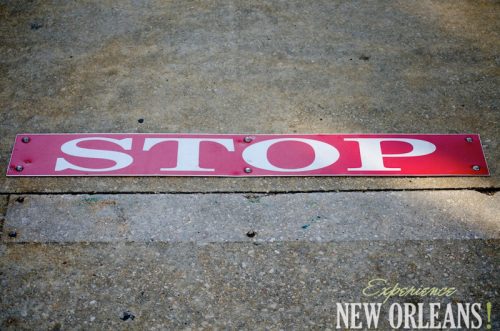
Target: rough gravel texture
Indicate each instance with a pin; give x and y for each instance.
(286, 285)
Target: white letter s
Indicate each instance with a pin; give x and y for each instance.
(121, 160)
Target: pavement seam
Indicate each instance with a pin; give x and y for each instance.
(487, 191)
(3, 208)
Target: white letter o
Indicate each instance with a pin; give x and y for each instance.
(324, 155)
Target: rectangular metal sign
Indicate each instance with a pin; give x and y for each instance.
(236, 155)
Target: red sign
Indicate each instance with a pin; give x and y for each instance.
(126, 154)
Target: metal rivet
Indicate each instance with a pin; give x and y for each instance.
(19, 168)
(248, 139)
(26, 140)
(468, 139)
(476, 168)
(248, 170)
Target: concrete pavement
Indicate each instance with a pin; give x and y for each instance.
(246, 253)
(243, 286)
(207, 218)
(249, 67)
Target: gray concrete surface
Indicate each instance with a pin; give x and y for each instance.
(249, 67)
(205, 218)
(71, 259)
(231, 286)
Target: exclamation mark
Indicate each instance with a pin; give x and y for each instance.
(488, 311)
